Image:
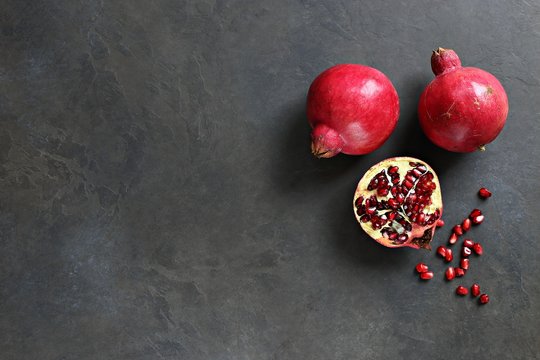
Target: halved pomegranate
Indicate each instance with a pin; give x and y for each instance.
(398, 202)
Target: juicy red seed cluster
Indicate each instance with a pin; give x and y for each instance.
(423, 271)
(405, 205)
(475, 217)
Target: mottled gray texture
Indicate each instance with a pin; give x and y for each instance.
(159, 200)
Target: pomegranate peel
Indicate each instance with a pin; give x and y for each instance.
(398, 202)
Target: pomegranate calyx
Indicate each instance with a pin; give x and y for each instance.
(444, 60)
(482, 148)
(325, 142)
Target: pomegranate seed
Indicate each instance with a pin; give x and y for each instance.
(478, 249)
(450, 273)
(464, 264)
(441, 250)
(448, 256)
(393, 169)
(484, 299)
(440, 223)
(484, 193)
(468, 243)
(457, 230)
(453, 239)
(426, 275)
(459, 272)
(475, 290)
(477, 219)
(475, 213)
(466, 252)
(462, 290)
(421, 268)
(466, 225)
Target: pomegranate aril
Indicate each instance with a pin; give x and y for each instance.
(464, 264)
(421, 268)
(468, 243)
(382, 191)
(484, 193)
(466, 252)
(466, 225)
(475, 213)
(402, 238)
(407, 184)
(462, 290)
(457, 230)
(417, 173)
(441, 250)
(448, 256)
(440, 223)
(477, 219)
(475, 290)
(484, 299)
(393, 169)
(453, 239)
(478, 249)
(426, 275)
(459, 272)
(450, 273)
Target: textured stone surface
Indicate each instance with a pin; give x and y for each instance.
(159, 200)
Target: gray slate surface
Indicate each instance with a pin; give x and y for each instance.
(159, 200)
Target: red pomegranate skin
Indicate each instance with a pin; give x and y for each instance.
(352, 109)
(463, 108)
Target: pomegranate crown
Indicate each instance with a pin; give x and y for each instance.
(444, 60)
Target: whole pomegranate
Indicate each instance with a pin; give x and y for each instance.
(352, 109)
(463, 108)
(398, 202)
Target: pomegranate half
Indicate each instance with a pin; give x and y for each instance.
(398, 202)
(463, 108)
(352, 109)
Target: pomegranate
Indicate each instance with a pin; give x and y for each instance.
(398, 202)
(463, 108)
(352, 109)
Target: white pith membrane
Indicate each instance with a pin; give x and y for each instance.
(404, 209)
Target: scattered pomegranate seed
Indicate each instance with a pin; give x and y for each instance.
(459, 272)
(450, 274)
(448, 256)
(465, 252)
(464, 264)
(478, 249)
(421, 268)
(484, 193)
(441, 250)
(453, 239)
(477, 219)
(475, 213)
(484, 299)
(440, 223)
(462, 290)
(475, 290)
(457, 230)
(468, 243)
(466, 225)
(426, 275)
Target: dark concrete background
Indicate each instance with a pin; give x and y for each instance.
(159, 200)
